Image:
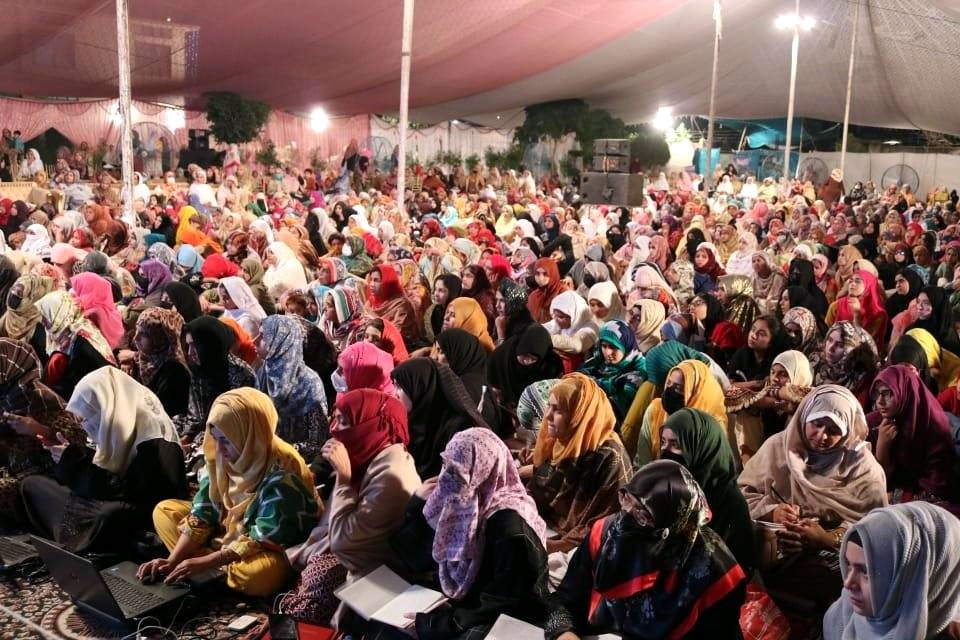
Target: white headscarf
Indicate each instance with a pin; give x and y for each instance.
(3, 242)
(287, 273)
(248, 314)
(797, 366)
(911, 554)
(141, 190)
(118, 413)
(31, 165)
(327, 228)
(37, 242)
(571, 304)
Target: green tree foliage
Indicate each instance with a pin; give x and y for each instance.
(234, 119)
(648, 148)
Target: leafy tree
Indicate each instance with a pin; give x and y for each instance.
(471, 161)
(648, 148)
(234, 119)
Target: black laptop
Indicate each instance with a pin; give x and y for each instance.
(15, 550)
(115, 592)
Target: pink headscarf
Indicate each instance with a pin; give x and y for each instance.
(366, 366)
(62, 253)
(477, 480)
(95, 296)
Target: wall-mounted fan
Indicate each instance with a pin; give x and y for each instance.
(900, 175)
(814, 170)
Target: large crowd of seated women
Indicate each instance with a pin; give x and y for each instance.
(686, 419)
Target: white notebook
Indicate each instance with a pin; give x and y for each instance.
(507, 628)
(384, 596)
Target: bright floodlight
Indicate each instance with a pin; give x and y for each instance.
(319, 120)
(791, 20)
(664, 118)
(891, 142)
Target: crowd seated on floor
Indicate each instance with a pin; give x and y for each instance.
(708, 416)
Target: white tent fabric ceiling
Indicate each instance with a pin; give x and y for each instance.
(480, 59)
(906, 75)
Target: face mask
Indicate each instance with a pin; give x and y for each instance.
(142, 282)
(347, 250)
(166, 304)
(171, 180)
(13, 301)
(670, 455)
(338, 381)
(672, 400)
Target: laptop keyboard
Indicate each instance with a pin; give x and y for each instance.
(131, 597)
(13, 552)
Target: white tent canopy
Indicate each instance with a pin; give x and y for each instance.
(907, 72)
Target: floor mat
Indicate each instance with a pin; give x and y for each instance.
(44, 604)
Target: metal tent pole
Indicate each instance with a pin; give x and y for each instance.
(713, 91)
(126, 132)
(793, 88)
(405, 47)
(846, 112)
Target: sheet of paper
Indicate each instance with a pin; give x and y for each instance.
(507, 628)
(373, 591)
(415, 599)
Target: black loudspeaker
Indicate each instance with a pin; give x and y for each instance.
(199, 140)
(611, 147)
(613, 164)
(618, 189)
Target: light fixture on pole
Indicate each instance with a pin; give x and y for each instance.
(796, 22)
(664, 119)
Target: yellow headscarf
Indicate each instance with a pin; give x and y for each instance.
(591, 420)
(248, 419)
(945, 362)
(468, 315)
(187, 213)
(700, 391)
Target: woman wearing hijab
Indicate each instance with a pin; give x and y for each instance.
(355, 258)
(706, 268)
(95, 296)
(849, 359)
(476, 528)
(862, 305)
(901, 307)
(513, 314)
(241, 305)
(341, 316)
(936, 316)
(152, 276)
(768, 282)
(605, 303)
(901, 578)
(467, 358)
(817, 467)
(645, 319)
(476, 285)
(546, 275)
(363, 365)
(375, 479)
(446, 288)
(213, 371)
(386, 300)
(520, 361)
(943, 365)
(37, 242)
(295, 389)
(579, 463)
(98, 496)
(158, 363)
(467, 314)
(691, 384)
(21, 320)
(616, 365)
(740, 261)
(74, 345)
(653, 569)
(801, 274)
(572, 329)
(284, 271)
(739, 305)
(252, 271)
(695, 439)
(33, 414)
(803, 333)
(256, 499)
(912, 437)
(181, 297)
(752, 362)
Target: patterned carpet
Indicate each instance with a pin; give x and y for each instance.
(40, 600)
